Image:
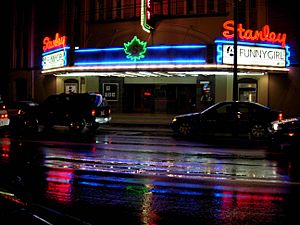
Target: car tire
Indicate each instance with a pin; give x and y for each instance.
(185, 129)
(258, 131)
(31, 125)
(77, 125)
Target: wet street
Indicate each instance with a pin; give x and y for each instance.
(145, 175)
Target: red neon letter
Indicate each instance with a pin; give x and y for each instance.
(258, 35)
(229, 29)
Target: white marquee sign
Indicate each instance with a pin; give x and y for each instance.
(253, 55)
(54, 60)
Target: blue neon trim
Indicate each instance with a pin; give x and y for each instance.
(55, 50)
(99, 49)
(287, 57)
(177, 46)
(141, 62)
(150, 47)
(247, 43)
(219, 54)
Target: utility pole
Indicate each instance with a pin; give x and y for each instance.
(235, 70)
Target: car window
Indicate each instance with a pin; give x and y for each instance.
(257, 109)
(91, 100)
(95, 99)
(54, 102)
(224, 109)
(243, 108)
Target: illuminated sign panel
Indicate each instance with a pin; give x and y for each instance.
(262, 47)
(54, 60)
(254, 55)
(58, 42)
(111, 91)
(146, 15)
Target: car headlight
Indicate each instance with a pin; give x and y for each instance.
(276, 126)
(174, 120)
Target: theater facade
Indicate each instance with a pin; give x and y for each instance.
(139, 75)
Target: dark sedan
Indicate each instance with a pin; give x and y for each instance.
(228, 118)
(285, 133)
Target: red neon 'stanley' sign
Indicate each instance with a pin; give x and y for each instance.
(56, 43)
(258, 35)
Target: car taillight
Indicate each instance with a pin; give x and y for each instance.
(93, 112)
(3, 116)
(280, 116)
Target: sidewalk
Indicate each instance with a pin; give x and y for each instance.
(153, 119)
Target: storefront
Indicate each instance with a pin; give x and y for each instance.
(138, 77)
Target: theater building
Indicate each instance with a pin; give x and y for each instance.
(166, 56)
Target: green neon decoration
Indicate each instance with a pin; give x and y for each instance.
(135, 49)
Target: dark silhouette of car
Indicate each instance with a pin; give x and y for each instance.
(285, 134)
(228, 118)
(4, 117)
(75, 111)
(23, 115)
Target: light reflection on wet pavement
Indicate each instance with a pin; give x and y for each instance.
(156, 180)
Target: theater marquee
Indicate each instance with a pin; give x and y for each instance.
(54, 59)
(253, 55)
(54, 52)
(262, 47)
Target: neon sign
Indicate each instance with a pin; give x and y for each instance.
(253, 54)
(54, 59)
(264, 34)
(146, 15)
(135, 49)
(58, 42)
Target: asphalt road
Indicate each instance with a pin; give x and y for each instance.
(145, 175)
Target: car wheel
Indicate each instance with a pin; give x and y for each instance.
(77, 125)
(185, 129)
(258, 131)
(31, 125)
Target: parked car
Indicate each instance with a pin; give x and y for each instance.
(75, 111)
(4, 118)
(285, 133)
(23, 115)
(228, 118)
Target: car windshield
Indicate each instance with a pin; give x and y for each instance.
(96, 99)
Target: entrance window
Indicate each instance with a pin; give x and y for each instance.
(247, 90)
(71, 86)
